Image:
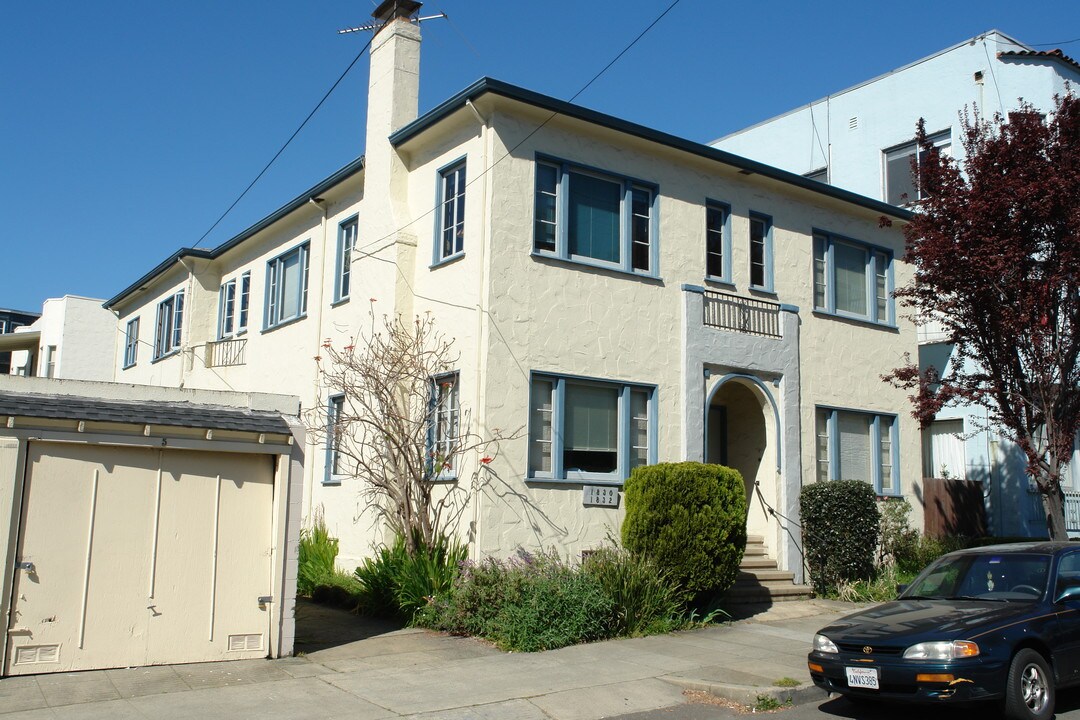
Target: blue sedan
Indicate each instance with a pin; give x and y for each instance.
(993, 623)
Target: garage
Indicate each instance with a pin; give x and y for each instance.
(142, 543)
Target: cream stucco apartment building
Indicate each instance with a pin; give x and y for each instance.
(623, 295)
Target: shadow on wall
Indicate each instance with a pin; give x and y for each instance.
(954, 508)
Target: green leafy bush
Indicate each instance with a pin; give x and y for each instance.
(689, 518)
(339, 590)
(396, 584)
(644, 600)
(317, 553)
(841, 525)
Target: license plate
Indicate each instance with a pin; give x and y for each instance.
(861, 677)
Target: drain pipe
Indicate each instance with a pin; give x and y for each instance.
(315, 308)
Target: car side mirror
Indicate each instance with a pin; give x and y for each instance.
(1068, 593)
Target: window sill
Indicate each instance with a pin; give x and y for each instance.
(284, 323)
(576, 481)
(856, 320)
(333, 481)
(604, 267)
(166, 356)
(128, 367)
(726, 284)
(447, 261)
(758, 290)
(444, 480)
(340, 301)
(241, 331)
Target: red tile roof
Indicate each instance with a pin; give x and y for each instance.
(1054, 54)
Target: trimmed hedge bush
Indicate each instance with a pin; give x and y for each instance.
(690, 519)
(841, 526)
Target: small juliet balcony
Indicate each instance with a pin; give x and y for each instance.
(226, 353)
(741, 314)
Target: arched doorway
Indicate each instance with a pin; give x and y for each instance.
(742, 433)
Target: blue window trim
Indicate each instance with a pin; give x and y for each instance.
(329, 478)
(872, 252)
(339, 262)
(304, 250)
(768, 285)
(437, 258)
(174, 329)
(450, 475)
(131, 343)
(558, 475)
(875, 445)
(628, 183)
(243, 302)
(725, 246)
(223, 300)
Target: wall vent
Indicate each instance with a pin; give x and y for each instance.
(37, 654)
(853, 123)
(240, 643)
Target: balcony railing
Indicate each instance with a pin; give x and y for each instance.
(1072, 510)
(741, 314)
(224, 353)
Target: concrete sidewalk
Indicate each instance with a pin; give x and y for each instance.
(359, 670)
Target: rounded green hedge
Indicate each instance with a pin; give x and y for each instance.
(841, 525)
(690, 518)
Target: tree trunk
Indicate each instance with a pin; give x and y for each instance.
(1054, 505)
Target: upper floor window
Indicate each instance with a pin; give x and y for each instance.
(761, 252)
(287, 286)
(445, 424)
(901, 182)
(245, 298)
(227, 309)
(852, 279)
(346, 243)
(50, 361)
(594, 217)
(170, 322)
(131, 343)
(451, 221)
(717, 242)
(589, 429)
(858, 446)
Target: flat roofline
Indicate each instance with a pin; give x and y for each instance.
(322, 186)
(874, 79)
(497, 87)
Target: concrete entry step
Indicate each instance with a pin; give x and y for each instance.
(760, 581)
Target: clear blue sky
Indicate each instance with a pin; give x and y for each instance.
(128, 127)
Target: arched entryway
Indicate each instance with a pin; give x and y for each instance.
(742, 432)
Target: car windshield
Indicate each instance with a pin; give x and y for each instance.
(1004, 577)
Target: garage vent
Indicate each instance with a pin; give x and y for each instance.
(239, 643)
(37, 654)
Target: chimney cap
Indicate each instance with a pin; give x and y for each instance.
(393, 9)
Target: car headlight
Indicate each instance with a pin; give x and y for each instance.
(824, 644)
(942, 650)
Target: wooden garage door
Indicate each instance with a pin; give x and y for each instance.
(133, 556)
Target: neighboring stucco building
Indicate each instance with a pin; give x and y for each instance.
(74, 338)
(9, 320)
(622, 295)
(862, 139)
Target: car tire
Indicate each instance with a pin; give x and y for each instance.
(1029, 690)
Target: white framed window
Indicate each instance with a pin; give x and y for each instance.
(856, 445)
(853, 279)
(589, 430)
(450, 240)
(335, 407)
(131, 342)
(718, 241)
(245, 300)
(287, 287)
(170, 324)
(227, 309)
(901, 185)
(594, 217)
(444, 431)
(346, 242)
(50, 361)
(943, 450)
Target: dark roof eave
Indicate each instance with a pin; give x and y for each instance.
(340, 175)
(498, 87)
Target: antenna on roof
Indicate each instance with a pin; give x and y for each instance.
(393, 10)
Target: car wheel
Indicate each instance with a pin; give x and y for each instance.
(1029, 691)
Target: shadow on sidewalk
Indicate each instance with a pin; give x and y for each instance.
(319, 627)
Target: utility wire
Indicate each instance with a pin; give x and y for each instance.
(1064, 42)
(291, 138)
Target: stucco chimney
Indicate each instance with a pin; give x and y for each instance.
(394, 79)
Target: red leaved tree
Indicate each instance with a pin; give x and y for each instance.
(996, 249)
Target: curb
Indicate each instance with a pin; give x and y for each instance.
(751, 694)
